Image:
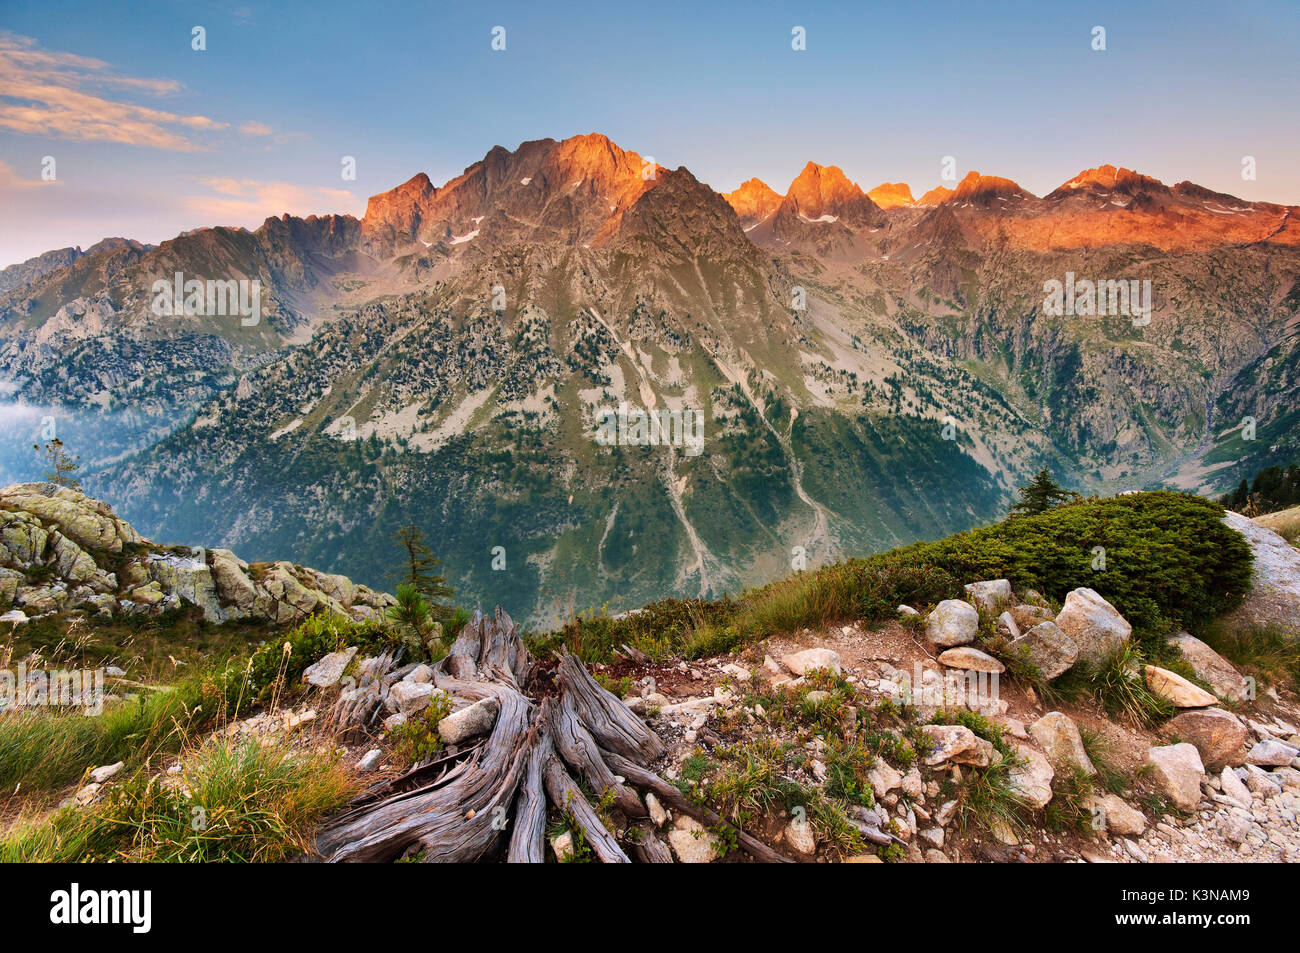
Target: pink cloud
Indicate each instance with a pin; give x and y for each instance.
(249, 202)
(64, 95)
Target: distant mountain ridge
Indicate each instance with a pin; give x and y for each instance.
(870, 371)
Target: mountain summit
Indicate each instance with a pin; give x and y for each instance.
(856, 372)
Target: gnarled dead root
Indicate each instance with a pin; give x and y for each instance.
(494, 794)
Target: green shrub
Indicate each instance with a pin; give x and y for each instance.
(315, 637)
(1168, 555)
(417, 738)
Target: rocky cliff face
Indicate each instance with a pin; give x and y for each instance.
(60, 549)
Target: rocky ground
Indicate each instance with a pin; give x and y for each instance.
(1243, 809)
(1220, 781)
(894, 737)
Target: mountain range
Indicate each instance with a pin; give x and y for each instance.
(869, 369)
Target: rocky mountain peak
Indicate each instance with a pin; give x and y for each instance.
(936, 196)
(571, 191)
(978, 189)
(754, 201)
(825, 195)
(892, 195)
(1106, 180)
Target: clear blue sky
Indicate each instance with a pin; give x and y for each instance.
(150, 137)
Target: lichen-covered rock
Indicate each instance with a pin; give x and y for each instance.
(1093, 624)
(190, 579)
(10, 581)
(235, 590)
(989, 594)
(1059, 738)
(1050, 651)
(89, 523)
(1219, 736)
(22, 540)
(1213, 668)
(50, 530)
(953, 622)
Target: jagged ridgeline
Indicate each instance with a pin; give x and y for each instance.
(861, 373)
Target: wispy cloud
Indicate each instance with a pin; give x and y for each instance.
(250, 201)
(10, 180)
(50, 93)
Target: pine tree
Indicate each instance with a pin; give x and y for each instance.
(1041, 494)
(418, 571)
(61, 463)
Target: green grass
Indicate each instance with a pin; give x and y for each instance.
(745, 782)
(1285, 523)
(42, 749)
(1266, 652)
(987, 801)
(1118, 684)
(148, 647)
(233, 801)
(417, 738)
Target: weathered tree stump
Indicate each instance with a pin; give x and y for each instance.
(490, 799)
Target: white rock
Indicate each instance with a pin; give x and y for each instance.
(1033, 779)
(933, 836)
(1213, 668)
(1060, 740)
(658, 815)
(956, 744)
(1093, 624)
(369, 761)
(801, 663)
(100, 775)
(1175, 689)
(562, 845)
(1047, 648)
(883, 778)
(411, 697)
(692, 842)
(1177, 771)
(1233, 788)
(970, 659)
(1120, 817)
(1271, 754)
(799, 835)
(953, 622)
(989, 594)
(470, 721)
(329, 669)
